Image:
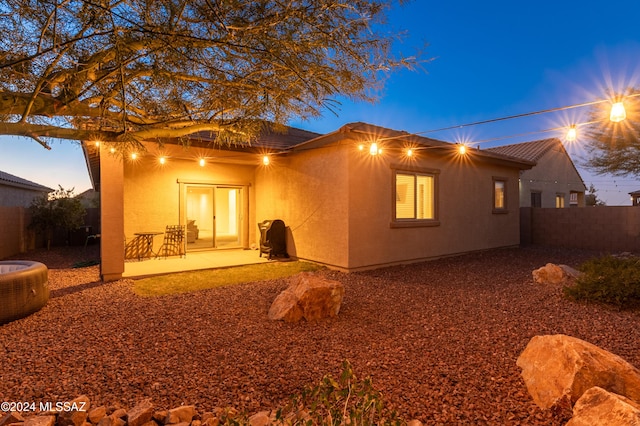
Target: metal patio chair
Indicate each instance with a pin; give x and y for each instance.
(173, 244)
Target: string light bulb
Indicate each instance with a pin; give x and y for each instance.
(572, 134)
(618, 112)
(97, 144)
(409, 152)
(373, 149)
(201, 162)
(266, 160)
(462, 149)
(134, 155)
(163, 160)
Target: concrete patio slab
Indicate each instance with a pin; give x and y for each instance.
(191, 262)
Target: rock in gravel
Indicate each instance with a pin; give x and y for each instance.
(140, 414)
(182, 414)
(40, 421)
(77, 415)
(11, 418)
(97, 414)
(552, 274)
(559, 367)
(599, 407)
(260, 419)
(310, 296)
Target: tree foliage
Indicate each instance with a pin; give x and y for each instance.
(57, 210)
(133, 70)
(614, 148)
(591, 198)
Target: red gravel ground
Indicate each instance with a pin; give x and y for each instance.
(440, 339)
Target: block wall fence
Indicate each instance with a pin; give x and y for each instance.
(603, 228)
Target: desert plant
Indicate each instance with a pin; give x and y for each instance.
(346, 400)
(609, 279)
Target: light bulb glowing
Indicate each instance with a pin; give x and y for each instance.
(617, 112)
(134, 156)
(163, 160)
(97, 144)
(112, 150)
(201, 162)
(572, 134)
(373, 149)
(409, 152)
(462, 149)
(265, 160)
(361, 147)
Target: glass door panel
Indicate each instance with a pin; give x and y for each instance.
(227, 217)
(200, 217)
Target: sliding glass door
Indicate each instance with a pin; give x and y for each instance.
(213, 216)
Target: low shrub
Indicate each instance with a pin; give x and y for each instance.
(345, 401)
(611, 280)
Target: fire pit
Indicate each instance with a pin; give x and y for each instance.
(24, 288)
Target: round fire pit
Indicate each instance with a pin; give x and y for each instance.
(24, 288)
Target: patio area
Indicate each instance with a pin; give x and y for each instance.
(192, 261)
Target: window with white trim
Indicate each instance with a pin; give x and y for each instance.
(415, 196)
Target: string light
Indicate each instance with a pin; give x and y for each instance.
(618, 112)
(202, 162)
(163, 160)
(134, 156)
(572, 134)
(409, 152)
(373, 149)
(266, 160)
(462, 149)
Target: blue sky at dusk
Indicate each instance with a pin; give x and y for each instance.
(491, 59)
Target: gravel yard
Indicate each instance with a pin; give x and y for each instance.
(440, 339)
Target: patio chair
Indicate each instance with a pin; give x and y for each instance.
(173, 244)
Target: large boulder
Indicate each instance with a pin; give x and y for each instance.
(559, 367)
(310, 296)
(552, 274)
(597, 407)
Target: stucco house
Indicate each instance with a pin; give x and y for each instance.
(18, 192)
(554, 182)
(358, 198)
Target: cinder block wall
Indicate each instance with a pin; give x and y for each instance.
(604, 228)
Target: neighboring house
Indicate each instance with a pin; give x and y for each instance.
(554, 181)
(18, 192)
(635, 198)
(347, 203)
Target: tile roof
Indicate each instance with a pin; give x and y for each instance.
(11, 180)
(268, 138)
(531, 151)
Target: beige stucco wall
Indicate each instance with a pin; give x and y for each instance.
(337, 203)
(464, 204)
(309, 192)
(152, 192)
(553, 174)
